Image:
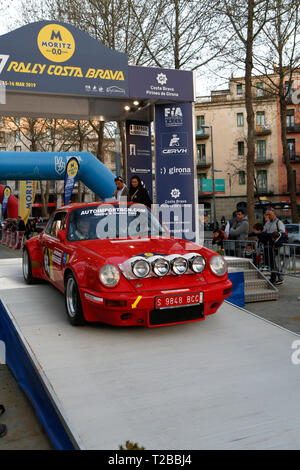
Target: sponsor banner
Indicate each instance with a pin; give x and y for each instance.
(54, 57)
(175, 167)
(26, 198)
(139, 155)
(157, 83)
(70, 178)
(5, 198)
(207, 185)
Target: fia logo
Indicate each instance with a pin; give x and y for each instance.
(173, 116)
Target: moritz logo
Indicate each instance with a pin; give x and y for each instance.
(56, 43)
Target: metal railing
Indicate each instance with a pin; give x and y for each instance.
(282, 260)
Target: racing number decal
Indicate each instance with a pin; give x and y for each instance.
(47, 262)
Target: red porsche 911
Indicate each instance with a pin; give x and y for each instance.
(115, 263)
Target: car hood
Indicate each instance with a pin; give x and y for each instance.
(118, 251)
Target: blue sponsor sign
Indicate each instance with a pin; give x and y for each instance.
(70, 178)
(139, 157)
(175, 167)
(5, 198)
(162, 84)
(54, 57)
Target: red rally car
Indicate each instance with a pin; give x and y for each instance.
(117, 264)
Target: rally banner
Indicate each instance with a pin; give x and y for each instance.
(139, 158)
(174, 146)
(26, 198)
(71, 176)
(55, 57)
(6, 196)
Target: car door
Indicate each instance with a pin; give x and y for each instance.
(54, 249)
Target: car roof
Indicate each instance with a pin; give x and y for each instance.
(77, 205)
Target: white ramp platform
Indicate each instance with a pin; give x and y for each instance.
(224, 383)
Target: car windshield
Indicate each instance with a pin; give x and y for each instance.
(292, 228)
(112, 221)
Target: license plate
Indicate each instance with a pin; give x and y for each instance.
(178, 300)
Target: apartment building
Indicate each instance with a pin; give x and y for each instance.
(225, 112)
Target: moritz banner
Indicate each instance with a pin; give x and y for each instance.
(53, 57)
(70, 178)
(6, 196)
(27, 196)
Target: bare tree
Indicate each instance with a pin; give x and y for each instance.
(276, 62)
(246, 20)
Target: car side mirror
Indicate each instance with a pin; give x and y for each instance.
(61, 235)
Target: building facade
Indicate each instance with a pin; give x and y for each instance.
(225, 112)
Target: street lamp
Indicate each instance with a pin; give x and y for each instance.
(205, 126)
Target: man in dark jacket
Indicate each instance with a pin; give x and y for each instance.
(239, 231)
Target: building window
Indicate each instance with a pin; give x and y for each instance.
(261, 149)
(17, 136)
(241, 149)
(242, 177)
(291, 143)
(201, 155)
(200, 122)
(239, 89)
(2, 149)
(260, 91)
(262, 182)
(201, 176)
(2, 137)
(289, 88)
(17, 185)
(17, 148)
(260, 118)
(290, 118)
(240, 119)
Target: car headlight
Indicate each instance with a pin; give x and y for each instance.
(140, 268)
(218, 265)
(109, 275)
(197, 264)
(160, 267)
(179, 265)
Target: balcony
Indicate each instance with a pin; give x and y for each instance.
(264, 191)
(263, 160)
(203, 163)
(293, 129)
(294, 158)
(263, 129)
(201, 134)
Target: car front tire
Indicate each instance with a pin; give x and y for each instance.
(73, 301)
(27, 268)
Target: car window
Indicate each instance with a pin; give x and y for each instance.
(58, 222)
(112, 221)
(292, 228)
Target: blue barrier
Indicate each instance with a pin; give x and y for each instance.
(52, 166)
(29, 380)
(238, 289)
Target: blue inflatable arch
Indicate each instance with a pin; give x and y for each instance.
(52, 166)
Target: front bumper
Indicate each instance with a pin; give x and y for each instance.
(138, 309)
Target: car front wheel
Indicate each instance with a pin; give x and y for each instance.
(73, 302)
(27, 268)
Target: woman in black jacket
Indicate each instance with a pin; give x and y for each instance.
(137, 193)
